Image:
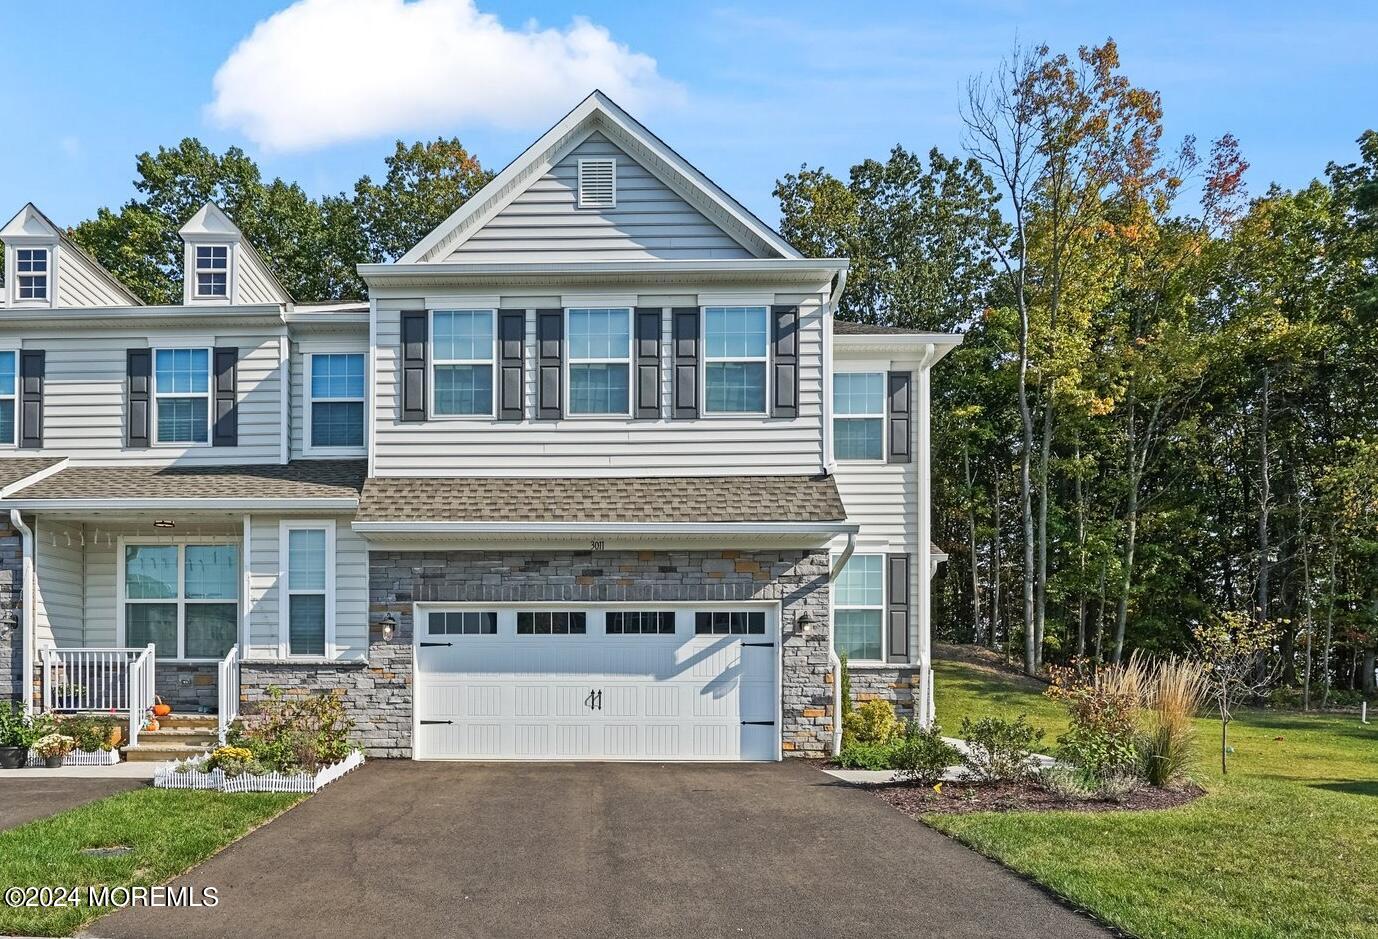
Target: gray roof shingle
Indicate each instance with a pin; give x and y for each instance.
(302, 479)
(671, 499)
(15, 468)
(849, 328)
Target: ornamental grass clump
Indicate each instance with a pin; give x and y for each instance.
(1167, 744)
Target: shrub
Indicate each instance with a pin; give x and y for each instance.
(999, 750)
(234, 761)
(872, 722)
(14, 725)
(91, 733)
(866, 756)
(1065, 782)
(295, 734)
(54, 745)
(922, 755)
(1175, 693)
(1104, 706)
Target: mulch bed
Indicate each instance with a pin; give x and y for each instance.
(961, 798)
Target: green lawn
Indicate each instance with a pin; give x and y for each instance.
(170, 831)
(1286, 845)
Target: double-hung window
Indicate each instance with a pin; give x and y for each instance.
(308, 595)
(212, 270)
(859, 608)
(31, 274)
(337, 400)
(735, 342)
(600, 348)
(859, 415)
(183, 598)
(462, 350)
(9, 384)
(181, 395)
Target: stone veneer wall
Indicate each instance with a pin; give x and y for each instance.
(898, 685)
(378, 695)
(190, 687)
(11, 607)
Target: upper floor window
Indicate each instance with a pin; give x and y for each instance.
(337, 400)
(735, 341)
(600, 348)
(462, 352)
(859, 608)
(31, 274)
(181, 395)
(859, 416)
(8, 386)
(212, 270)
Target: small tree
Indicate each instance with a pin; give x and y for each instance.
(1234, 657)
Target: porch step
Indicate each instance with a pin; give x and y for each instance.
(162, 751)
(179, 721)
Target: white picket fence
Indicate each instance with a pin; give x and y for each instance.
(80, 758)
(183, 774)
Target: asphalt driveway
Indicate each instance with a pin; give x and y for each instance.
(445, 849)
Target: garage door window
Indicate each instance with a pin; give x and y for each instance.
(463, 624)
(640, 623)
(729, 623)
(552, 623)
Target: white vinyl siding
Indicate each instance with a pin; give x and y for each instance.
(587, 446)
(58, 563)
(252, 283)
(351, 590)
(81, 284)
(649, 219)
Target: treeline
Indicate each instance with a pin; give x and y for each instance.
(1163, 409)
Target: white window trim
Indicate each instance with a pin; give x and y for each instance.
(833, 607)
(8, 349)
(180, 601)
(705, 361)
(285, 591)
(570, 360)
(198, 270)
(579, 184)
(49, 280)
(433, 361)
(209, 395)
(883, 415)
(309, 400)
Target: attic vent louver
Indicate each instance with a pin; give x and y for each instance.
(598, 184)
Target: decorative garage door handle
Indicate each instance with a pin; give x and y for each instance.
(766, 645)
(424, 644)
(594, 702)
(761, 723)
(437, 722)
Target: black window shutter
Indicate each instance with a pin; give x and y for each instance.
(647, 363)
(138, 389)
(897, 606)
(32, 363)
(225, 429)
(785, 367)
(685, 321)
(511, 371)
(550, 344)
(415, 341)
(899, 410)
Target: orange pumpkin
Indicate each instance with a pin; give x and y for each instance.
(152, 724)
(162, 710)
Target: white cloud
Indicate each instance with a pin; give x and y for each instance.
(325, 71)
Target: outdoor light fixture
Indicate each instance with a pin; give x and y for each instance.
(389, 626)
(164, 523)
(803, 622)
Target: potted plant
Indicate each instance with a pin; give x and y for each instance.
(160, 709)
(14, 736)
(53, 748)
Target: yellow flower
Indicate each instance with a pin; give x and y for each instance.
(938, 788)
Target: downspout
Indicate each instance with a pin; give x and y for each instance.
(833, 660)
(924, 536)
(27, 602)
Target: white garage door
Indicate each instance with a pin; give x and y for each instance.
(597, 683)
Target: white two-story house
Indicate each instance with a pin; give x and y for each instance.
(593, 473)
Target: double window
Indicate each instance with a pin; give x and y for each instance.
(552, 623)
(639, 623)
(462, 623)
(859, 415)
(181, 395)
(462, 352)
(9, 384)
(308, 590)
(212, 270)
(31, 274)
(337, 400)
(859, 608)
(600, 349)
(183, 598)
(735, 357)
(729, 623)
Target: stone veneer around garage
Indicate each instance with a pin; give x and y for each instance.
(11, 608)
(378, 694)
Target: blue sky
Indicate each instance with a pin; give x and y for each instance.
(747, 92)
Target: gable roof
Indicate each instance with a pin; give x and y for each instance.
(599, 113)
(30, 221)
(211, 221)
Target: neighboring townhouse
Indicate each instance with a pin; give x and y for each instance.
(592, 474)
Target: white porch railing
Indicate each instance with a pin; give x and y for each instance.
(141, 696)
(109, 679)
(228, 689)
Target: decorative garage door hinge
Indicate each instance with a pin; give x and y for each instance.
(424, 644)
(767, 645)
(437, 722)
(761, 723)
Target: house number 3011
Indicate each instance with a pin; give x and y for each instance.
(598, 545)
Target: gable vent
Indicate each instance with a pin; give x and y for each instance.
(597, 184)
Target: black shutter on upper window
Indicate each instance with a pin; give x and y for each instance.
(511, 364)
(138, 389)
(415, 342)
(897, 607)
(550, 346)
(685, 356)
(646, 360)
(225, 424)
(898, 411)
(785, 364)
(32, 365)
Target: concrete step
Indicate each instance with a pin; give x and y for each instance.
(181, 736)
(161, 752)
(174, 721)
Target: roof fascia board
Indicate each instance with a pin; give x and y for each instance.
(629, 528)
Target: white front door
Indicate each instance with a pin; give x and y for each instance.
(649, 682)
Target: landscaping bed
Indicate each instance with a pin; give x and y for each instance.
(1026, 796)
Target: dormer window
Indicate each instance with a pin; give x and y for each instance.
(598, 184)
(212, 270)
(32, 273)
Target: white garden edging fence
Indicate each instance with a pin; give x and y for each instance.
(183, 774)
(79, 758)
